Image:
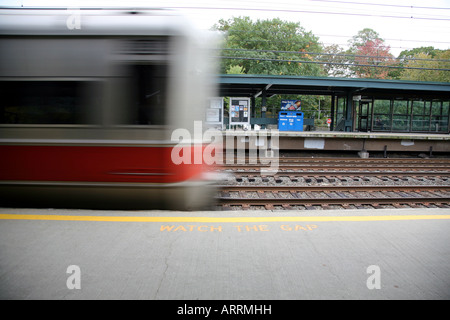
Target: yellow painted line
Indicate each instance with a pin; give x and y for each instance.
(220, 219)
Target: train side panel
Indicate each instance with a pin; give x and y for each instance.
(88, 117)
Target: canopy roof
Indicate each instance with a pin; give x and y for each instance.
(244, 85)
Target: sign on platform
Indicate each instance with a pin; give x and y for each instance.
(291, 105)
(214, 113)
(239, 111)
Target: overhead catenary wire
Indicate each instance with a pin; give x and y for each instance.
(386, 39)
(403, 44)
(347, 44)
(325, 43)
(335, 54)
(386, 46)
(346, 11)
(291, 10)
(328, 4)
(354, 3)
(332, 63)
(352, 8)
(381, 4)
(336, 36)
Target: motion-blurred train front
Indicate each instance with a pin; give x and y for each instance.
(89, 101)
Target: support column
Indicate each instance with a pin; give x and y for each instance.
(349, 112)
(333, 98)
(252, 111)
(263, 103)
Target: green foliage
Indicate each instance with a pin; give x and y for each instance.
(235, 70)
(425, 61)
(259, 43)
(277, 47)
(411, 53)
(406, 56)
(362, 38)
(339, 61)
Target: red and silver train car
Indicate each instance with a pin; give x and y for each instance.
(89, 101)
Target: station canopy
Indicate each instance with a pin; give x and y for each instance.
(244, 85)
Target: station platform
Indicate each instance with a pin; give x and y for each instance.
(262, 255)
(351, 141)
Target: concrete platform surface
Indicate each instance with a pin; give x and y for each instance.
(351, 254)
(347, 135)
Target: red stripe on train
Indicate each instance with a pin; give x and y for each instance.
(94, 164)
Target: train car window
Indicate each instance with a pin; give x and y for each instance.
(41, 102)
(149, 94)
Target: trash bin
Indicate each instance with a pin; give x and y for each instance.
(283, 121)
(298, 121)
(290, 121)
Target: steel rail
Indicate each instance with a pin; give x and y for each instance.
(352, 160)
(338, 173)
(331, 201)
(340, 166)
(329, 195)
(360, 188)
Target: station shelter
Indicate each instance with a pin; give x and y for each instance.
(357, 105)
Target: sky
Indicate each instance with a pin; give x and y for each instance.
(403, 24)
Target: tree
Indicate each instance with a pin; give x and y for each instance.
(370, 54)
(338, 59)
(405, 54)
(443, 63)
(268, 47)
(273, 47)
(369, 59)
(361, 38)
(235, 70)
(422, 62)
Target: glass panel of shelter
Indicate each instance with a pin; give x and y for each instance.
(439, 116)
(382, 115)
(340, 112)
(421, 116)
(396, 115)
(400, 115)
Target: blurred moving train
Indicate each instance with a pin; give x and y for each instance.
(89, 99)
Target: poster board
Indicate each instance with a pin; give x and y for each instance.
(214, 112)
(239, 111)
(291, 105)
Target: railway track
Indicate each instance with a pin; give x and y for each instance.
(330, 183)
(340, 173)
(292, 167)
(320, 160)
